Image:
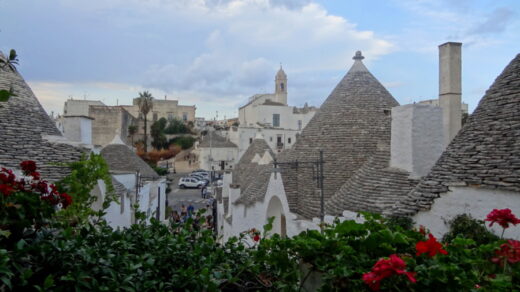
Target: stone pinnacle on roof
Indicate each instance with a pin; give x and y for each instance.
(358, 56)
(117, 138)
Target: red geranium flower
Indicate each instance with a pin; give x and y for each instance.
(28, 166)
(509, 251)
(503, 217)
(256, 237)
(66, 200)
(35, 175)
(430, 246)
(6, 189)
(385, 268)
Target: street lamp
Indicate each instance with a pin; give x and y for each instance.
(317, 175)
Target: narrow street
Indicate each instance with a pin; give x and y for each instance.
(177, 197)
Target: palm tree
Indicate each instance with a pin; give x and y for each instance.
(145, 103)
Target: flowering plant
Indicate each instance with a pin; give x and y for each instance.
(503, 217)
(385, 268)
(27, 202)
(430, 247)
(509, 252)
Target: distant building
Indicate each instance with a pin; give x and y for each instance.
(79, 107)
(216, 152)
(107, 121)
(167, 108)
(270, 115)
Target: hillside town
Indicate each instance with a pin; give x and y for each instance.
(360, 192)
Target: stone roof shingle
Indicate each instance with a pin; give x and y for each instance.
(217, 141)
(252, 177)
(23, 125)
(120, 157)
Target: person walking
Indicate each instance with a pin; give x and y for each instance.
(204, 192)
(183, 209)
(191, 209)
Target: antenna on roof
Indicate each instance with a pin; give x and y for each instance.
(117, 101)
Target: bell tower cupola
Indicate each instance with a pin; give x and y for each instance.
(281, 86)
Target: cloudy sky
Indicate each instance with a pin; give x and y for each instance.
(217, 53)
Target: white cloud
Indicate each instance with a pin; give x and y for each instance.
(247, 39)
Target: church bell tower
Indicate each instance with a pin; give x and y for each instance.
(281, 86)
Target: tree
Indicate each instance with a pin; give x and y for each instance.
(132, 130)
(145, 103)
(159, 139)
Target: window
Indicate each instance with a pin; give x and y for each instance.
(250, 140)
(288, 140)
(270, 139)
(299, 125)
(282, 86)
(154, 117)
(185, 117)
(276, 120)
(170, 116)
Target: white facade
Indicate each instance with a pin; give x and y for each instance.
(274, 204)
(417, 138)
(277, 139)
(216, 158)
(121, 214)
(270, 115)
(76, 128)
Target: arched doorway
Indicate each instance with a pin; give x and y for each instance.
(275, 209)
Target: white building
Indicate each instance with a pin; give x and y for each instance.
(270, 115)
(137, 183)
(384, 158)
(216, 152)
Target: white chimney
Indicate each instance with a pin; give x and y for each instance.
(417, 138)
(450, 89)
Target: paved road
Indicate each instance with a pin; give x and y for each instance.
(177, 197)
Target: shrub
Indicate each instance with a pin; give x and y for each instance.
(185, 142)
(468, 227)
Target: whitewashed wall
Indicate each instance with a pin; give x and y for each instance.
(477, 202)
(227, 154)
(255, 216)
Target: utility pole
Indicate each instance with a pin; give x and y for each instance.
(317, 168)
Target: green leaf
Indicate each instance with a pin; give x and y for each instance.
(48, 283)
(12, 55)
(6, 94)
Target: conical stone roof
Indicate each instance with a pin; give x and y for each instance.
(23, 127)
(486, 151)
(253, 177)
(352, 123)
(120, 157)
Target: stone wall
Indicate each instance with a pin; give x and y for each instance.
(109, 120)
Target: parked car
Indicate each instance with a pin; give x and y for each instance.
(191, 182)
(200, 174)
